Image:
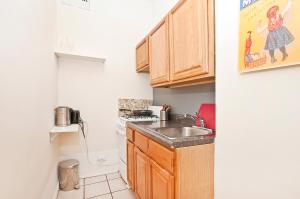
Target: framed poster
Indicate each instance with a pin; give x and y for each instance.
(269, 34)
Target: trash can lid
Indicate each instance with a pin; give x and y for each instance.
(68, 163)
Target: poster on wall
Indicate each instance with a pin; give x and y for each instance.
(269, 34)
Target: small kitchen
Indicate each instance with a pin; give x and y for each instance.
(160, 131)
(150, 99)
(175, 158)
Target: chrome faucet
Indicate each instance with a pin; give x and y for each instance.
(191, 117)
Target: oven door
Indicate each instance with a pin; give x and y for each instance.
(121, 132)
(122, 141)
(123, 171)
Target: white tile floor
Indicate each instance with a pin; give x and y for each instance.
(109, 186)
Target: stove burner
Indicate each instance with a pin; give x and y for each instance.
(141, 117)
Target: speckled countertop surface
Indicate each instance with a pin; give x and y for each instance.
(148, 129)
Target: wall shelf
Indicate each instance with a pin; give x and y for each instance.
(56, 130)
(78, 57)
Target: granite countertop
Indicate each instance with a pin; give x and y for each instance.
(148, 129)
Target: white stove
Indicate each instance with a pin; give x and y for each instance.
(139, 118)
(122, 141)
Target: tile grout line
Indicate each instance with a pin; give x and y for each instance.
(110, 193)
(95, 176)
(109, 187)
(123, 180)
(108, 183)
(84, 188)
(99, 195)
(95, 183)
(114, 178)
(106, 178)
(98, 183)
(101, 175)
(119, 190)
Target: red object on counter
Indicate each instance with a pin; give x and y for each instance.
(208, 113)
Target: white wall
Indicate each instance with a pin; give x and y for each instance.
(27, 99)
(111, 29)
(257, 144)
(161, 8)
(177, 97)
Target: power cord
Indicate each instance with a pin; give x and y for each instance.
(84, 129)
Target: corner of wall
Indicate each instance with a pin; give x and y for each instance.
(52, 186)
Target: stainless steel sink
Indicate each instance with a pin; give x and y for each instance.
(183, 132)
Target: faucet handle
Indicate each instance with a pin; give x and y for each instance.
(202, 122)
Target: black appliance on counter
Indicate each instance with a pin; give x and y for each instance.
(75, 116)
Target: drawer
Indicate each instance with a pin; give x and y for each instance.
(163, 156)
(130, 134)
(141, 142)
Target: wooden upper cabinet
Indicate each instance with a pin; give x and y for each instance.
(159, 53)
(189, 39)
(130, 164)
(161, 184)
(141, 174)
(181, 46)
(142, 56)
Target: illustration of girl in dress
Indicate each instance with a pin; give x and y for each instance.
(278, 35)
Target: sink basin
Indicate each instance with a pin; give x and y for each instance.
(182, 132)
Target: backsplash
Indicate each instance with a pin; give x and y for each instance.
(133, 104)
(185, 99)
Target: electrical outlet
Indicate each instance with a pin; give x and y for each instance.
(101, 160)
(68, 2)
(84, 4)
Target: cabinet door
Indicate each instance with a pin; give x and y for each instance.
(141, 174)
(142, 55)
(130, 164)
(189, 39)
(161, 183)
(159, 53)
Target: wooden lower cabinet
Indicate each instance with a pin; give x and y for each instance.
(151, 180)
(141, 174)
(195, 172)
(161, 182)
(158, 172)
(130, 164)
